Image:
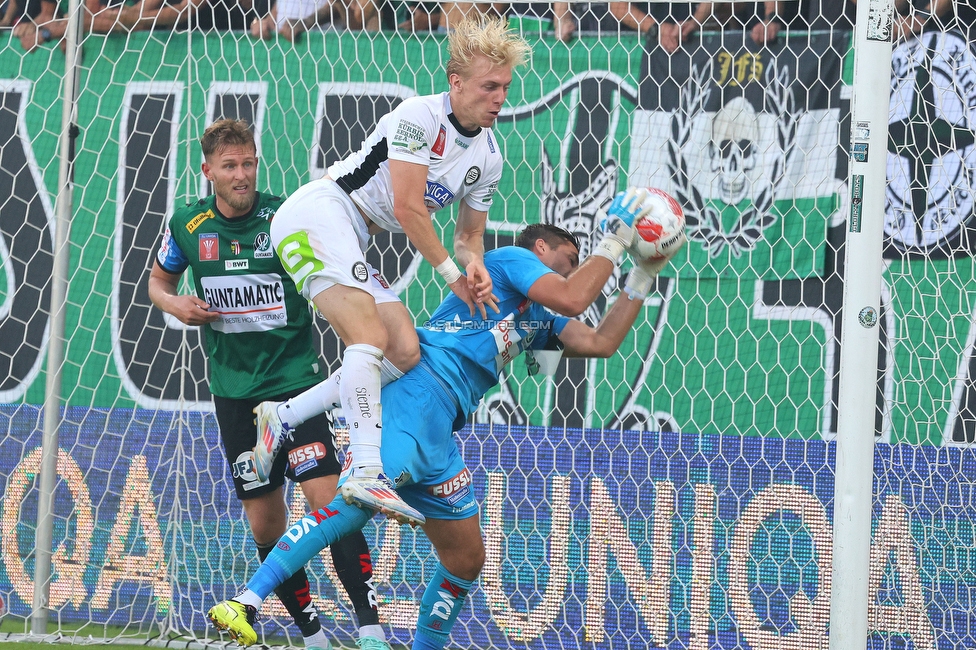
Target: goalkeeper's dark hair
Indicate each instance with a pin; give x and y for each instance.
(552, 235)
(226, 133)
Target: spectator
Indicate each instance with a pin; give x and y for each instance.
(557, 14)
(292, 18)
(934, 15)
(826, 14)
(453, 13)
(677, 22)
(32, 21)
(421, 17)
(634, 15)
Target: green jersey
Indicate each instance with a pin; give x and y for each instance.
(262, 344)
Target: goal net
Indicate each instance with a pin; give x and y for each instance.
(678, 494)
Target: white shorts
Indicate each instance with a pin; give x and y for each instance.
(320, 238)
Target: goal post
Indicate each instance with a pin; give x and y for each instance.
(857, 409)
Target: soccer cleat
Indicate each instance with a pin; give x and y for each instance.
(327, 646)
(372, 643)
(237, 618)
(271, 435)
(369, 488)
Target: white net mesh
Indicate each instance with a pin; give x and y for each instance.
(677, 494)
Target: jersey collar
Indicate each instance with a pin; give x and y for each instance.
(460, 129)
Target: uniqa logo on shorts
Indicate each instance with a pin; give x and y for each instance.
(308, 522)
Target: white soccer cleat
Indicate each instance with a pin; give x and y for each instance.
(271, 435)
(368, 487)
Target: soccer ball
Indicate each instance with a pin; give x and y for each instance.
(661, 231)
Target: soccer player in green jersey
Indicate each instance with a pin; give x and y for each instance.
(259, 339)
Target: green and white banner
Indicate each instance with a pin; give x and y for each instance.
(744, 341)
(745, 136)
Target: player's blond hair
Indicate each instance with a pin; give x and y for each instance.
(223, 133)
(485, 36)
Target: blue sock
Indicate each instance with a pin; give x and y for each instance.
(439, 608)
(304, 540)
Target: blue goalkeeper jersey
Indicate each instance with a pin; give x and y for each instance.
(469, 353)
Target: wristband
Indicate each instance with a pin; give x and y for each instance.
(448, 270)
(639, 283)
(611, 248)
(45, 34)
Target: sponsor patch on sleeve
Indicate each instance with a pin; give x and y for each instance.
(409, 137)
(440, 142)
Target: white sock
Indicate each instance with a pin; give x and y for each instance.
(324, 396)
(389, 372)
(375, 631)
(360, 391)
(317, 640)
(248, 597)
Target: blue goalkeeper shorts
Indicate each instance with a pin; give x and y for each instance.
(420, 453)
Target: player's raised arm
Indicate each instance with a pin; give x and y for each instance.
(409, 182)
(570, 294)
(469, 248)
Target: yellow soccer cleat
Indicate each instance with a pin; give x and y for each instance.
(237, 618)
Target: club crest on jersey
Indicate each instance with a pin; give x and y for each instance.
(472, 176)
(209, 247)
(235, 247)
(262, 246)
(437, 196)
(359, 272)
(440, 142)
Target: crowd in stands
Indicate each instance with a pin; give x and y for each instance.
(35, 22)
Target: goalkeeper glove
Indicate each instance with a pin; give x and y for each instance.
(641, 277)
(618, 223)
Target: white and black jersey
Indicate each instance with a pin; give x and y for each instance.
(460, 163)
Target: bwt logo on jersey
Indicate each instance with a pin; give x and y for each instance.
(308, 522)
(305, 458)
(437, 196)
(454, 488)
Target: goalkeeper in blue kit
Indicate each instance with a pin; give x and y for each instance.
(461, 358)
